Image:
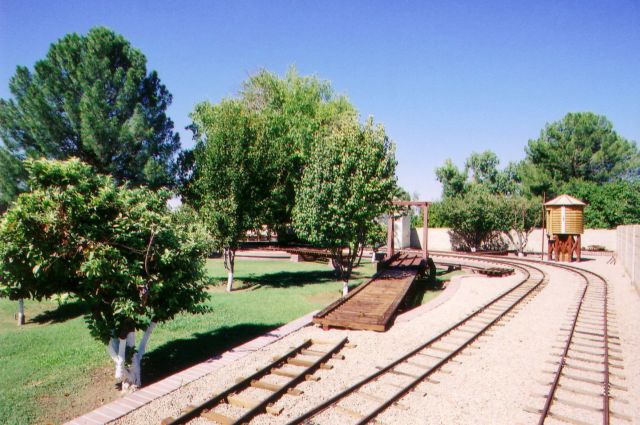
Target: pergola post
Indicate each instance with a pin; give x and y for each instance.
(425, 228)
(425, 231)
(390, 236)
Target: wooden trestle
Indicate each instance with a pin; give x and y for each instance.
(372, 305)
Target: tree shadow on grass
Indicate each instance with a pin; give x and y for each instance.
(286, 279)
(179, 354)
(421, 288)
(62, 313)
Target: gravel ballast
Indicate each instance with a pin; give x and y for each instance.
(493, 381)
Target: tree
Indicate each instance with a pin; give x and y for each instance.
(250, 153)
(12, 178)
(474, 218)
(483, 167)
(517, 218)
(480, 169)
(453, 180)
(226, 186)
(118, 250)
(608, 204)
(347, 183)
(92, 98)
(291, 114)
(583, 146)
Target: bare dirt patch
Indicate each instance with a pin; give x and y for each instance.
(98, 389)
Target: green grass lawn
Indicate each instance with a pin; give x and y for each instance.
(52, 370)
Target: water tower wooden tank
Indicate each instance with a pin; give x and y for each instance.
(565, 224)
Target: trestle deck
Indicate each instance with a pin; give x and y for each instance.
(372, 305)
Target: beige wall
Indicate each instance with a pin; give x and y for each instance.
(439, 239)
(628, 251)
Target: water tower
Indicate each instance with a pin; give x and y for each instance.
(565, 224)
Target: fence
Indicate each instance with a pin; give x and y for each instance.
(628, 251)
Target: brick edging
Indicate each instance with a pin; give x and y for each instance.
(125, 405)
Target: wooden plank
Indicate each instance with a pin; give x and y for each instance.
(218, 417)
(300, 362)
(286, 373)
(241, 402)
(265, 385)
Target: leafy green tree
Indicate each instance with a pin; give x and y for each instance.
(12, 178)
(118, 250)
(436, 215)
(480, 169)
(348, 182)
(474, 218)
(517, 218)
(291, 114)
(92, 98)
(251, 151)
(226, 185)
(608, 204)
(452, 178)
(583, 146)
(483, 167)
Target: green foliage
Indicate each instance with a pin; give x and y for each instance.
(437, 216)
(12, 178)
(453, 180)
(517, 217)
(226, 186)
(48, 385)
(376, 236)
(250, 152)
(283, 119)
(481, 169)
(474, 217)
(348, 182)
(582, 146)
(117, 249)
(92, 98)
(608, 204)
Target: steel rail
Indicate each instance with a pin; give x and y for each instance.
(606, 396)
(343, 394)
(246, 383)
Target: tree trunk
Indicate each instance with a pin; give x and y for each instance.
(130, 377)
(20, 312)
(345, 273)
(229, 264)
(360, 252)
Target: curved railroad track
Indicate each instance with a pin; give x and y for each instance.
(582, 384)
(430, 356)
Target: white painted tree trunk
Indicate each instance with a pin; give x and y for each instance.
(229, 281)
(20, 312)
(345, 288)
(129, 376)
(229, 264)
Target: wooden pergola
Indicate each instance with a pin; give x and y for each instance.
(425, 228)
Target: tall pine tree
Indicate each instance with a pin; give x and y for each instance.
(92, 98)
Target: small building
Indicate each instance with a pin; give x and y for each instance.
(564, 216)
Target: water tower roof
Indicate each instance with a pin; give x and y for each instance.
(564, 200)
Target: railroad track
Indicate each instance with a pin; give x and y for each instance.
(583, 384)
(296, 366)
(586, 378)
(419, 364)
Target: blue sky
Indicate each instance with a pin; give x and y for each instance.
(445, 78)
